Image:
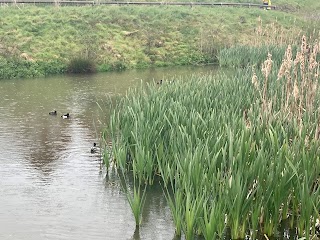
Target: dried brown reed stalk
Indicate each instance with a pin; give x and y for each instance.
(274, 34)
(287, 74)
(266, 70)
(255, 80)
(299, 83)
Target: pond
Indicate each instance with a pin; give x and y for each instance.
(51, 186)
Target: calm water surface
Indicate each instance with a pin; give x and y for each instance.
(51, 186)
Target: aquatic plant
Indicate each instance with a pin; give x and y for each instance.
(135, 192)
(231, 153)
(212, 224)
(137, 202)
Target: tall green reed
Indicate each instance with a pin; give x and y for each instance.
(231, 152)
(136, 196)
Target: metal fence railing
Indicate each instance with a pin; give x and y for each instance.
(101, 2)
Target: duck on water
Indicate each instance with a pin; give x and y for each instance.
(95, 148)
(65, 115)
(53, 112)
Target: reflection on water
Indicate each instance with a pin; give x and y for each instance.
(51, 186)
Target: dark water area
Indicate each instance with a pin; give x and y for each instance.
(51, 186)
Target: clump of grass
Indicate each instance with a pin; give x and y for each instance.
(81, 65)
(136, 201)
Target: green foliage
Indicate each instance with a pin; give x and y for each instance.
(104, 68)
(119, 66)
(243, 56)
(117, 38)
(136, 201)
(142, 64)
(52, 67)
(219, 161)
(18, 68)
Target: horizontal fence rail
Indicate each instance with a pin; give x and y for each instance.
(187, 4)
(79, 2)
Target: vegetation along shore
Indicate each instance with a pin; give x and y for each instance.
(237, 155)
(44, 39)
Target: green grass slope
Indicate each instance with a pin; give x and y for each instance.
(45, 40)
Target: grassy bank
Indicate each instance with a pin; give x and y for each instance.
(37, 41)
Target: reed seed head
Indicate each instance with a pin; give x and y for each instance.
(282, 69)
(266, 66)
(288, 53)
(297, 59)
(255, 81)
(295, 91)
(303, 44)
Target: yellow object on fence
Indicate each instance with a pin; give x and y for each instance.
(267, 3)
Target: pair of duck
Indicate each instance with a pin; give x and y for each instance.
(54, 113)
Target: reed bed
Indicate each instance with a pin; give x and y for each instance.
(267, 38)
(232, 153)
(244, 56)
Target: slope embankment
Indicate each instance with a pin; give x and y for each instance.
(44, 40)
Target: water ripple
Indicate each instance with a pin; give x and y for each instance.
(51, 186)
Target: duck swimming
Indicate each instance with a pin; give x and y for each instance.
(95, 148)
(65, 115)
(53, 112)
